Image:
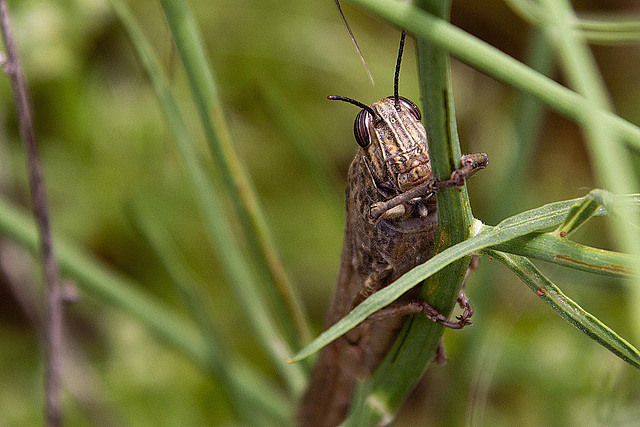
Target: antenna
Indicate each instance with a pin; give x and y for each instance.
(354, 102)
(396, 77)
(353, 39)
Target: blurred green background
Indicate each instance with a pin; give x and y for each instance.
(104, 145)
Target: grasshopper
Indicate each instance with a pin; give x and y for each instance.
(391, 221)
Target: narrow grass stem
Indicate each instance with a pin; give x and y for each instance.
(54, 317)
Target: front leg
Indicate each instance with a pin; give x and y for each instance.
(392, 208)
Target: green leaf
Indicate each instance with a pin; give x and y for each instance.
(551, 248)
(568, 309)
(547, 216)
(580, 213)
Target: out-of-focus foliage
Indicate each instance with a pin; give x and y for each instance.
(104, 145)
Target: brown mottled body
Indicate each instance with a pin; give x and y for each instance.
(375, 253)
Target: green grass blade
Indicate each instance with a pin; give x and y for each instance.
(597, 28)
(580, 213)
(186, 284)
(497, 64)
(527, 10)
(612, 38)
(389, 294)
(551, 248)
(223, 239)
(122, 293)
(568, 309)
(231, 172)
(547, 216)
(611, 23)
(610, 28)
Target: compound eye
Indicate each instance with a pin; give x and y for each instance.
(413, 108)
(361, 130)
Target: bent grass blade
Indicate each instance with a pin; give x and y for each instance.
(565, 307)
(547, 216)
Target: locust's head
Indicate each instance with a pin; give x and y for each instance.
(394, 142)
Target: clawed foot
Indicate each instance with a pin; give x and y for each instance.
(432, 314)
(470, 164)
(416, 307)
(463, 320)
